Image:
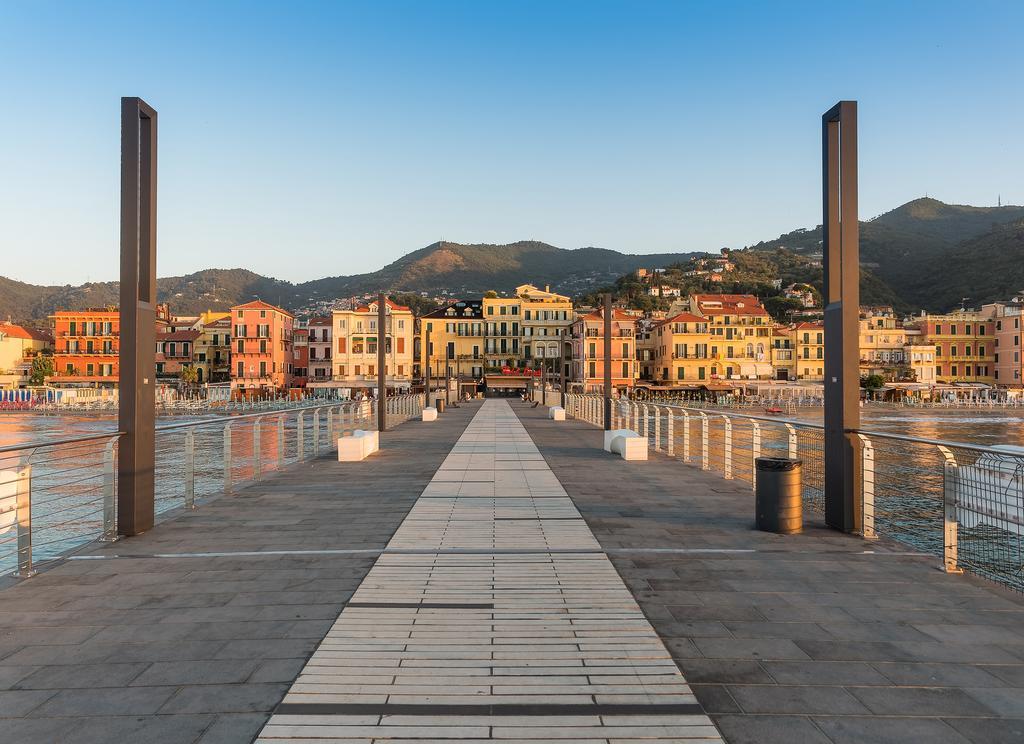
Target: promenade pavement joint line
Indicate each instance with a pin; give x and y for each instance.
(516, 639)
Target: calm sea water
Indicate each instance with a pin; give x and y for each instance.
(67, 484)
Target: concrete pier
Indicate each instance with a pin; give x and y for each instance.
(494, 575)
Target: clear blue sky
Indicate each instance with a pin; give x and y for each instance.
(310, 139)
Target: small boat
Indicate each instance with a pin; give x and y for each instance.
(774, 411)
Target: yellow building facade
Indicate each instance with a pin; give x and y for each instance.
(681, 350)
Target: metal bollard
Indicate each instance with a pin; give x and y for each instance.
(23, 500)
(867, 465)
(950, 526)
(727, 446)
(755, 451)
(190, 469)
(316, 433)
(109, 504)
(705, 463)
(686, 436)
(670, 434)
(227, 457)
(280, 442)
(257, 462)
(657, 429)
(299, 435)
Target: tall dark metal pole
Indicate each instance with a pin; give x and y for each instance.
(447, 377)
(136, 413)
(382, 360)
(426, 380)
(608, 361)
(840, 241)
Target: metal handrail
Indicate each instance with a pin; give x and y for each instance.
(55, 442)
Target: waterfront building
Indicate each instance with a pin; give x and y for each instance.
(546, 317)
(1008, 357)
(964, 343)
(19, 346)
(741, 334)
(502, 318)
(300, 357)
(261, 356)
(457, 340)
(783, 353)
(809, 351)
(882, 342)
(86, 347)
(212, 356)
(354, 352)
(682, 350)
(175, 350)
(319, 369)
(588, 359)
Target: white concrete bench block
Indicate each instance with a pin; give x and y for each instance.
(627, 443)
(556, 413)
(430, 414)
(631, 448)
(610, 435)
(358, 446)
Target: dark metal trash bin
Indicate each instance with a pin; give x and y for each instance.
(439, 404)
(778, 505)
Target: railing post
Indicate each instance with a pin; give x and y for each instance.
(657, 428)
(316, 433)
(280, 442)
(867, 467)
(950, 530)
(24, 514)
(686, 436)
(644, 423)
(190, 469)
(705, 463)
(109, 504)
(755, 451)
(792, 441)
(257, 462)
(300, 422)
(728, 447)
(330, 424)
(670, 433)
(227, 457)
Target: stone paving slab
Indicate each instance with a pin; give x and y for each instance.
(491, 615)
(201, 644)
(818, 637)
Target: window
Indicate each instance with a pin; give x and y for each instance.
(241, 367)
(263, 369)
(700, 373)
(263, 313)
(241, 346)
(681, 373)
(625, 350)
(239, 314)
(593, 370)
(625, 370)
(593, 349)
(263, 347)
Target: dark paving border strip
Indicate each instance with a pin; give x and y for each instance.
(494, 709)
(426, 605)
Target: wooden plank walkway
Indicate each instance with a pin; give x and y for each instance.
(491, 615)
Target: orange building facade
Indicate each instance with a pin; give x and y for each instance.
(261, 348)
(86, 347)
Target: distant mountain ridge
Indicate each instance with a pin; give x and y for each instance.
(923, 254)
(459, 269)
(911, 249)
